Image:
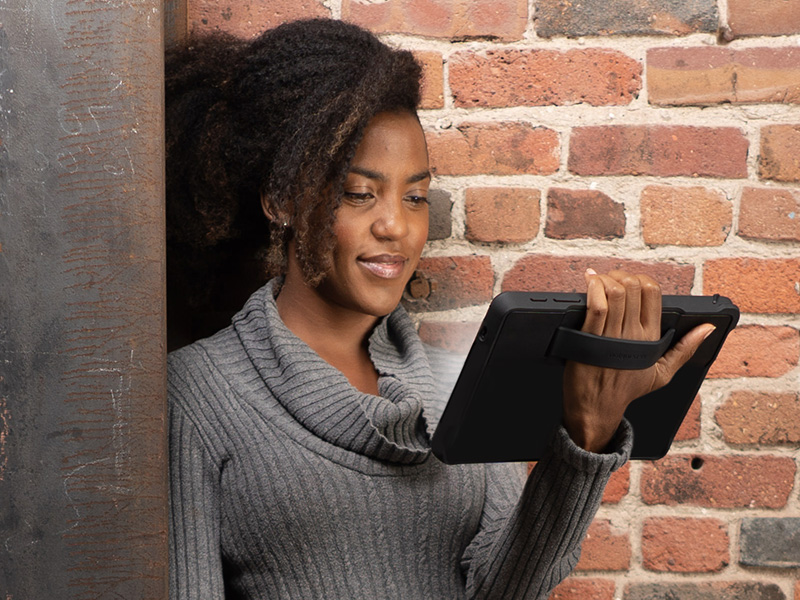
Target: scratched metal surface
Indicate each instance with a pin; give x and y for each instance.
(175, 21)
(82, 444)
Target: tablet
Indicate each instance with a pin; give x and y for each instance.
(506, 403)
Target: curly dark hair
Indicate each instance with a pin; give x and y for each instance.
(277, 117)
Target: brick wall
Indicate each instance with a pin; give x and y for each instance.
(659, 135)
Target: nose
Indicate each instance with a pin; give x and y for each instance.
(391, 220)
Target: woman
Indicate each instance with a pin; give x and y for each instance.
(299, 435)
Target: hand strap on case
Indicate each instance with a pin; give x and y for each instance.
(572, 344)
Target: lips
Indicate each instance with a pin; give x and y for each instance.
(385, 266)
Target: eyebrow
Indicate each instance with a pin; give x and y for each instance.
(370, 174)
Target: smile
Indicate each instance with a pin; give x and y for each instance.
(385, 266)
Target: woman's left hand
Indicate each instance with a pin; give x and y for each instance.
(627, 306)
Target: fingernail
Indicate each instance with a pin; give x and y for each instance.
(709, 332)
(591, 271)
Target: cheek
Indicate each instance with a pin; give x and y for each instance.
(421, 231)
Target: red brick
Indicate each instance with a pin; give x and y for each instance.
(770, 214)
(684, 545)
(743, 354)
(456, 337)
(457, 281)
(690, 428)
(248, 18)
(623, 17)
(511, 77)
(756, 285)
(581, 588)
(780, 153)
(749, 417)
(605, 549)
(545, 273)
(712, 75)
(763, 17)
(502, 214)
(432, 79)
(685, 216)
(574, 214)
(505, 148)
(797, 590)
(708, 590)
(743, 481)
(618, 485)
(453, 19)
(659, 150)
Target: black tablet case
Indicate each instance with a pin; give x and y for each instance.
(506, 403)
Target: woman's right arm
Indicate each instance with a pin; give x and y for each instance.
(195, 568)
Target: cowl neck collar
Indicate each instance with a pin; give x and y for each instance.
(390, 427)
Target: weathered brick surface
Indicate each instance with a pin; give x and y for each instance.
(780, 153)
(770, 542)
(432, 88)
(566, 273)
(719, 481)
(618, 485)
(717, 590)
(248, 18)
(605, 548)
(770, 214)
(763, 17)
(456, 337)
(658, 150)
(506, 215)
(755, 285)
(574, 214)
(440, 218)
(457, 281)
(622, 17)
(685, 545)
(710, 75)
(511, 77)
(504, 148)
(743, 354)
(582, 588)
(685, 216)
(690, 428)
(454, 19)
(749, 417)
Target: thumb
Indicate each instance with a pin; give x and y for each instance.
(681, 352)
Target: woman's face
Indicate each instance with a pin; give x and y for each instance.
(382, 223)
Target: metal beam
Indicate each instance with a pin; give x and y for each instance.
(176, 22)
(83, 505)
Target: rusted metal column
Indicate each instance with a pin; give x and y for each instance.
(83, 505)
(176, 22)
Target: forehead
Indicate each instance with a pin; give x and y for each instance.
(392, 139)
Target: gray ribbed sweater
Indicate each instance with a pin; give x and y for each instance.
(287, 482)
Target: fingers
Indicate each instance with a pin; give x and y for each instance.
(596, 304)
(623, 305)
(651, 307)
(681, 352)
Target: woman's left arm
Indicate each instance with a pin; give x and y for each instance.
(528, 543)
(531, 531)
(626, 306)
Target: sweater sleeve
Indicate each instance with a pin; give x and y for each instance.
(195, 567)
(528, 543)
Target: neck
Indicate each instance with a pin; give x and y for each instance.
(339, 335)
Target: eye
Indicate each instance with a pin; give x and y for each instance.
(417, 200)
(358, 197)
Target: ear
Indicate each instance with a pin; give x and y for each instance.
(267, 207)
(275, 216)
